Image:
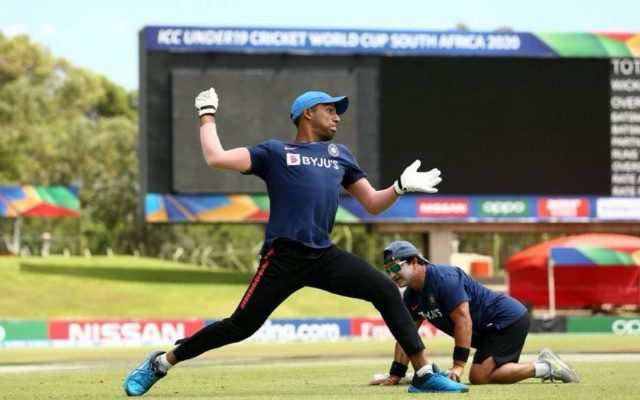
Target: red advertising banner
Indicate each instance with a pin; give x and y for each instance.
(375, 328)
(144, 331)
(443, 207)
(563, 207)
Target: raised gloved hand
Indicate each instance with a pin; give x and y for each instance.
(207, 102)
(413, 181)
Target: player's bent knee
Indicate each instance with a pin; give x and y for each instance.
(478, 377)
(474, 380)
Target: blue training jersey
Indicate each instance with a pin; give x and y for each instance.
(446, 287)
(303, 181)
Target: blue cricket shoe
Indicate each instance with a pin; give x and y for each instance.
(142, 378)
(435, 382)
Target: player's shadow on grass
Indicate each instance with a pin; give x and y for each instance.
(133, 274)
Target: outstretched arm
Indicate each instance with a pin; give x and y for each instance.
(214, 154)
(377, 201)
(374, 201)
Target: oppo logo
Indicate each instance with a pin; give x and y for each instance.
(626, 327)
(504, 207)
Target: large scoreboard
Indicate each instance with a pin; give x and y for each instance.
(500, 113)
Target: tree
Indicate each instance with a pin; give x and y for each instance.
(63, 125)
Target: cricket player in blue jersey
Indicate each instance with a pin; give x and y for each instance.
(303, 179)
(495, 324)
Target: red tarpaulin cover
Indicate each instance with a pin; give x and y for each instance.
(576, 286)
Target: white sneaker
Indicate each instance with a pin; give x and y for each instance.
(560, 370)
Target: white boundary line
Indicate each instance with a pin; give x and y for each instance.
(242, 362)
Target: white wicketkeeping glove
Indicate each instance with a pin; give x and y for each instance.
(207, 102)
(413, 181)
(383, 379)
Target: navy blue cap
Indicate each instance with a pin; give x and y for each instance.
(312, 98)
(401, 250)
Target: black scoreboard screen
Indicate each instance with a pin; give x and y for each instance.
(505, 126)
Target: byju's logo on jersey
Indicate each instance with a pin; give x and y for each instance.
(293, 159)
(333, 150)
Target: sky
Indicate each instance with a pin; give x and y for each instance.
(102, 36)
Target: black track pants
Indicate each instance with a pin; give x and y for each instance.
(289, 266)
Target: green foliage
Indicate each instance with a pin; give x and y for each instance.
(63, 125)
(115, 101)
(20, 59)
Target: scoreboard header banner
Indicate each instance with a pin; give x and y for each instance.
(384, 42)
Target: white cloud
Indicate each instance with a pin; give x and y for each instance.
(47, 30)
(14, 30)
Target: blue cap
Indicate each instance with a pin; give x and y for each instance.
(401, 250)
(310, 99)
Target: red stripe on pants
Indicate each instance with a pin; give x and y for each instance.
(256, 278)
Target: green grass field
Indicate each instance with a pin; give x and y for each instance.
(323, 370)
(101, 287)
(137, 287)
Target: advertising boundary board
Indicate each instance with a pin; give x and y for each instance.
(160, 208)
(604, 324)
(128, 332)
